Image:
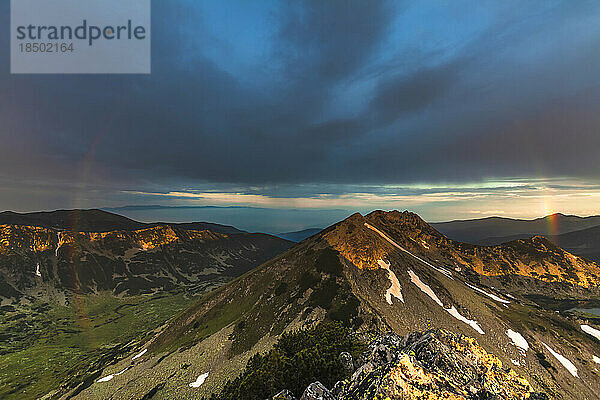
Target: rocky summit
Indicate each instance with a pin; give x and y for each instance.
(436, 364)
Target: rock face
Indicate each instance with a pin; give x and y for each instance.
(316, 391)
(437, 364)
(347, 361)
(284, 395)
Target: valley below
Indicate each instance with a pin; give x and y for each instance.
(47, 349)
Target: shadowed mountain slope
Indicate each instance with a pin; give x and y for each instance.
(299, 236)
(585, 243)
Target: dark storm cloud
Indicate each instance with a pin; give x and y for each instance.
(348, 92)
(407, 94)
(330, 39)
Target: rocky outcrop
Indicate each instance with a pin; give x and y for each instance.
(316, 391)
(437, 364)
(284, 395)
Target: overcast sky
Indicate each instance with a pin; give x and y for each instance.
(453, 109)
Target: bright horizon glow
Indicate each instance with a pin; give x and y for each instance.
(510, 198)
(294, 207)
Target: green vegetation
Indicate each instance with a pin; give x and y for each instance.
(308, 280)
(281, 289)
(276, 311)
(44, 347)
(346, 311)
(328, 262)
(212, 319)
(264, 302)
(295, 361)
(324, 294)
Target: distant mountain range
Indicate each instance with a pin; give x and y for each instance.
(386, 271)
(250, 219)
(95, 220)
(496, 230)
(579, 235)
(299, 236)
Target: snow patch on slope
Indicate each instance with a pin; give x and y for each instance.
(452, 311)
(591, 331)
(139, 355)
(424, 288)
(563, 360)
(37, 270)
(199, 380)
(596, 359)
(473, 324)
(109, 377)
(106, 378)
(517, 339)
(394, 290)
(58, 234)
(490, 295)
(386, 237)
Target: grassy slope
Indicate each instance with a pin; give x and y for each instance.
(264, 301)
(44, 347)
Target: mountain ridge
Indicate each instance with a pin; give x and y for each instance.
(418, 237)
(585, 242)
(39, 261)
(495, 230)
(383, 271)
(97, 220)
